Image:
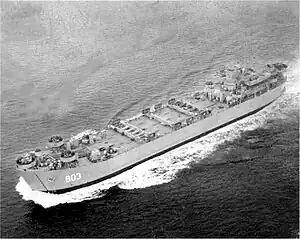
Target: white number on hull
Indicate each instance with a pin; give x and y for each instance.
(73, 177)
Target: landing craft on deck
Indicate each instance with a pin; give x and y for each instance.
(69, 164)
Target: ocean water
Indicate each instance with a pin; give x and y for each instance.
(69, 67)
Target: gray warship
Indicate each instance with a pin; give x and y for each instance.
(69, 164)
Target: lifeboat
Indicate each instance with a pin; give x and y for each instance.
(26, 161)
(68, 156)
(55, 141)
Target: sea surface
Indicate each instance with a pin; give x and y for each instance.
(69, 67)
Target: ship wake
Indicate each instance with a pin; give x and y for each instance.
(164, 168)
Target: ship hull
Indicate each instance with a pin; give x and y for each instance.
(62, 181)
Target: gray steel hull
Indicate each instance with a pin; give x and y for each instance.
(55, 181)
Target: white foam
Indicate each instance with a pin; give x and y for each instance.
(48, 200)
(163, 169)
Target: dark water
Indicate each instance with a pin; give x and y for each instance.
(71, 66)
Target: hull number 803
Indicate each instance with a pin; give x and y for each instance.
(73, 177)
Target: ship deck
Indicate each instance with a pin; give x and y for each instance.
(160, 121)
(200, 104)
(171, 115)
(147, 123)
(122, 143)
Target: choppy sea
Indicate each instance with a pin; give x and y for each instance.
(68, 67)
